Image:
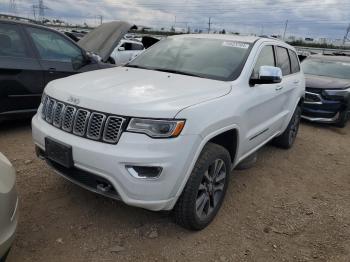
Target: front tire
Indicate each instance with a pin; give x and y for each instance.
(205, 190)
(287, 138)
(342, 120)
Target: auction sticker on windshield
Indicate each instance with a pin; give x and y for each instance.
(236, 44)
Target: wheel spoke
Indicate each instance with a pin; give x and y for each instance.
(219, 187)
(218, 166)
(201, 188)
(220, 177)
(206, 176)
(201, 203)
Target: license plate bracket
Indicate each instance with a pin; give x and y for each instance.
(58, 152)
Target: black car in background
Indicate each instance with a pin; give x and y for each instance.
(32, 55)
(327, 98)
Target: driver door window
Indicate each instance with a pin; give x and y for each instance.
(52, 46)
(56, 53)
(266, 58)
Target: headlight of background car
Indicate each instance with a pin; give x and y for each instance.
(156, 128)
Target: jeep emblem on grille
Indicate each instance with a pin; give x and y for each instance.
(73, 100)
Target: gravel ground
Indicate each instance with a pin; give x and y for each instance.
(291, 206)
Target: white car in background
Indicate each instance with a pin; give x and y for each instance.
(126, 51)
(8, 206)
(165, 131)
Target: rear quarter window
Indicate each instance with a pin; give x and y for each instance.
(294, 60)
(283, 61)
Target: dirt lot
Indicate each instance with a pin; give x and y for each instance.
(292, 206)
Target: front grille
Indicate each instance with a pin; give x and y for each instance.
(82, 122)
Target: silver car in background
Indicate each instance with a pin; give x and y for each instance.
(8, 206)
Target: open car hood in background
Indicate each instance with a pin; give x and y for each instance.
(104, 39)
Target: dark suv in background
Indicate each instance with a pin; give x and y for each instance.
(327, 97)
(32, 55)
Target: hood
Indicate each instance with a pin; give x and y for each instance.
(103, 40)
(136, 92)
(323, 82)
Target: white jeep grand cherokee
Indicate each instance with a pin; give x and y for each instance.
(165, 131)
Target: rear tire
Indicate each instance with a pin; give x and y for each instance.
(286, 140)
(205, 190)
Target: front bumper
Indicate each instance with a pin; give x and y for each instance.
(175, 156)
(325, 106)
(8, 218)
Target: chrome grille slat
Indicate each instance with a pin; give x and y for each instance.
(82, 122)
(49, 110)
(112, 129)
(95, 126)
(43, 110)
(68, 118)
(57, 114)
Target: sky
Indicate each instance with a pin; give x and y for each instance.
(306, 18)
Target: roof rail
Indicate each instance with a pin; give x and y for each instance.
(18, 18)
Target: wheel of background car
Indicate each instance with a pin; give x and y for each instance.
(205, 189)
(343, 119)
(286, 140)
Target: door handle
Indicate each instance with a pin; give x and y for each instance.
(278, 88)
(296, 82)
(52, 70)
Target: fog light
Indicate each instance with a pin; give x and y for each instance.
(144, 172)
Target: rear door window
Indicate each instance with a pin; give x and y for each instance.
(294, 62)
(283, 61)
(12, 43)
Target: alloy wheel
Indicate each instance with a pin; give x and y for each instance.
(211, 189)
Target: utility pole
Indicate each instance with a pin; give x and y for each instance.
(209, 24)
(34, 12)
(41, 7)
(346, 36)
(13, 7)
(101, 19)
(285, 30)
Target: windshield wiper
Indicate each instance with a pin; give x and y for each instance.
(165, 70)
(177, 72)
(136, 66)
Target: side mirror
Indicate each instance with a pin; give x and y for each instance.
(121, 48)
(267, 75)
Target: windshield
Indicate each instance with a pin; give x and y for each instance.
(207, 58)
(336, 69)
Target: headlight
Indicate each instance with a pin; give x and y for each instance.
(156, 128)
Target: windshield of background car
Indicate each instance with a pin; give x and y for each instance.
(336, 69)
(207, 58)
